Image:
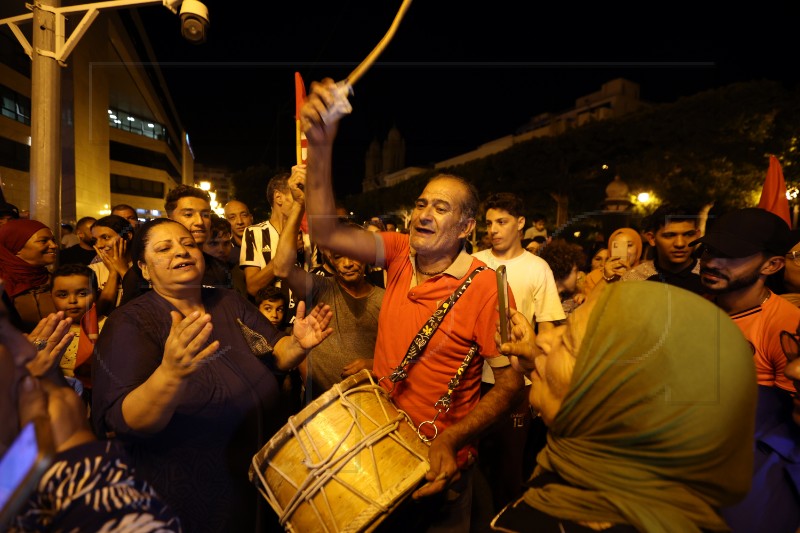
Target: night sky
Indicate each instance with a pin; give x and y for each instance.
(456, 74)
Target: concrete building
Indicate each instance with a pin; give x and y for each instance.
(615, 98)
(122, 140)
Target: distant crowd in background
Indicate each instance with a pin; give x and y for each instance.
(649, 381)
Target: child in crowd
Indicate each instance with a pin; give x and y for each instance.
(272, 304)
(74, 291)
(219, 244)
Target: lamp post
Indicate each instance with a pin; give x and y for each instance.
(49, 51)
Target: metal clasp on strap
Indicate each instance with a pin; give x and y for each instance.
(443, 406)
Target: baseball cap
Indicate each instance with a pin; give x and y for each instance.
(7, 209)
(746, 232)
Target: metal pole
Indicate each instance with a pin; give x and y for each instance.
(45, 171)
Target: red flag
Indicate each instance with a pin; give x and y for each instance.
(90, 330)
(299, 100)
(773, 194)
(301, 142)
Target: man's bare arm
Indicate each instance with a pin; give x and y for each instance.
(323, 223)
(284, 260)
(506, 393)
(258, 278)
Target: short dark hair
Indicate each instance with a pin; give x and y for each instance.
(83, 221)
(537, 217)
(120, 207)
(469, 207)
(666, 213)
(67, 227)
(121, 225)
(278, 182)
(219, 226)
(182, 191)
(270, 292)
(505, 201)
(562, 256)
(75, 269)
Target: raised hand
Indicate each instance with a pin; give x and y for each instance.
(297, 183)
(50, 339)
(520, 348)
(319, 99)
(311, 330)
(114, 258)
(186, 348)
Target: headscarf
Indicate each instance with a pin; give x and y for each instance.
(19, 275)
(633, 236)
(656, 430)
(593, 277)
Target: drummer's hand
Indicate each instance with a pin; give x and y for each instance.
(311, 330)
(444, 468)
(184, 350)
(319, 99)
(356, 366)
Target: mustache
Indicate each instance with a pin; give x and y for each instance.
(713, 272)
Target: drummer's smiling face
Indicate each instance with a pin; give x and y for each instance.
(172, 258)
(437, 224)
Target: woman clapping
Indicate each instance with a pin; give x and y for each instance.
(176, 378)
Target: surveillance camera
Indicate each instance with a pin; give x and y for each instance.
(194, 21)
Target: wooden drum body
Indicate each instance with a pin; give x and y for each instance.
(343, 463)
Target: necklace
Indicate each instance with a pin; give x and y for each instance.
(420, 271)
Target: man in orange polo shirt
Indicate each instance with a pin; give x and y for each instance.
(739, 250)
(424, 268)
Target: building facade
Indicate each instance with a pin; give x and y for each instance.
(121, 137)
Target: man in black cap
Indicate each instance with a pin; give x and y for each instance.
(739, 251)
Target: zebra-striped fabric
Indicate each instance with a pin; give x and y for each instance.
(92, 487)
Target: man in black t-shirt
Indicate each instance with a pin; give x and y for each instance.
(84, 251)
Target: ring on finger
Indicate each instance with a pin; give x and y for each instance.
(40, 344)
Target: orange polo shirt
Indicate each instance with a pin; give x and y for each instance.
(406, 307)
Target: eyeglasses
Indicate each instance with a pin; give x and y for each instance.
(795, 257)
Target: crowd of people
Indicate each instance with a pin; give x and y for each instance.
(648, 383)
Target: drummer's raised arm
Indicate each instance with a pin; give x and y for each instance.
(320, 204)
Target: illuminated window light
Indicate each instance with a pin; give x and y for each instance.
(110, 112)
(150, 125)
(131, 119)
(114, 117)
(117, 121)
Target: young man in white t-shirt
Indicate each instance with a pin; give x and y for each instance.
(531, 281)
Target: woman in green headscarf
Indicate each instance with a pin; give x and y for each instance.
(649, 394)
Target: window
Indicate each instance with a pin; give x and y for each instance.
(136, 186)
(125, 121)
(15, 106)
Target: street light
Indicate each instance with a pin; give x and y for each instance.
(50, 49)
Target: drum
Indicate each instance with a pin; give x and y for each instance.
(343, 463)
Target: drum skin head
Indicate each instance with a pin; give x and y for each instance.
(343, 463)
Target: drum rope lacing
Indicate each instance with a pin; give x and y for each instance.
(327, 468)
(418, 344)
